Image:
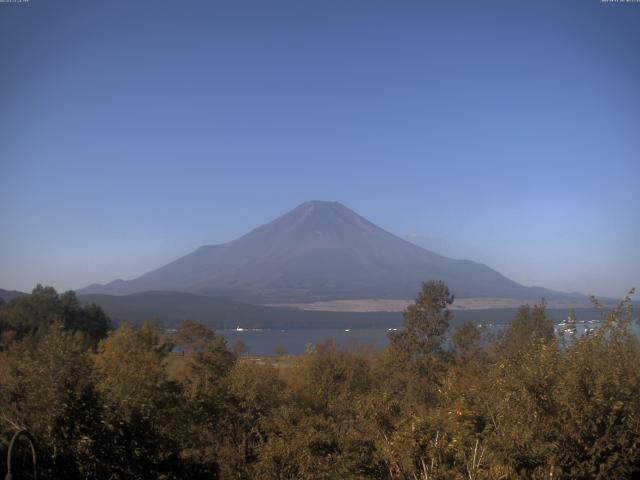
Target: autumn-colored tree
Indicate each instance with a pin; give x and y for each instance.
(46, 388)
(320, 431)
(209, 405)
(211, 360)
(139, 403)
(598, 418)
(438, 402)
(254, 392)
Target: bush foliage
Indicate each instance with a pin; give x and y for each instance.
(438, 403)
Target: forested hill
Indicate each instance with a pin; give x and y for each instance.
(171, 308)
(7, 295)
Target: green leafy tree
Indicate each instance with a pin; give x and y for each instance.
(417, 358)
(34, 314)
(89, 319)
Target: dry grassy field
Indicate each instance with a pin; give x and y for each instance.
(398, 305)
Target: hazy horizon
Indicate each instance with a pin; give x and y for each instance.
(133, 133)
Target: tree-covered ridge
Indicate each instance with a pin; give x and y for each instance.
(33, 315)
(438, 403)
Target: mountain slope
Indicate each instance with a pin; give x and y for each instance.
(318, 251)
(8, 295)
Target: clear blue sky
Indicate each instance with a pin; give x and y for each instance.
(132, 132)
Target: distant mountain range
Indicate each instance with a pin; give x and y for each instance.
(8, 295)
(319, 251)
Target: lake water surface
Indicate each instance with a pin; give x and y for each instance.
(265, 342)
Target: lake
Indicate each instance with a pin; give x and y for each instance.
(294, 341)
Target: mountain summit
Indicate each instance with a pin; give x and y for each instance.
(318, 251)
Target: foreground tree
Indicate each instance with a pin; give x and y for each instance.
(319, 432)
(46, 388)
(437, 403)
(416, 358)
(209, 408)
(598, 420)
(254, 392)
(211, 360)
(139, 404)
